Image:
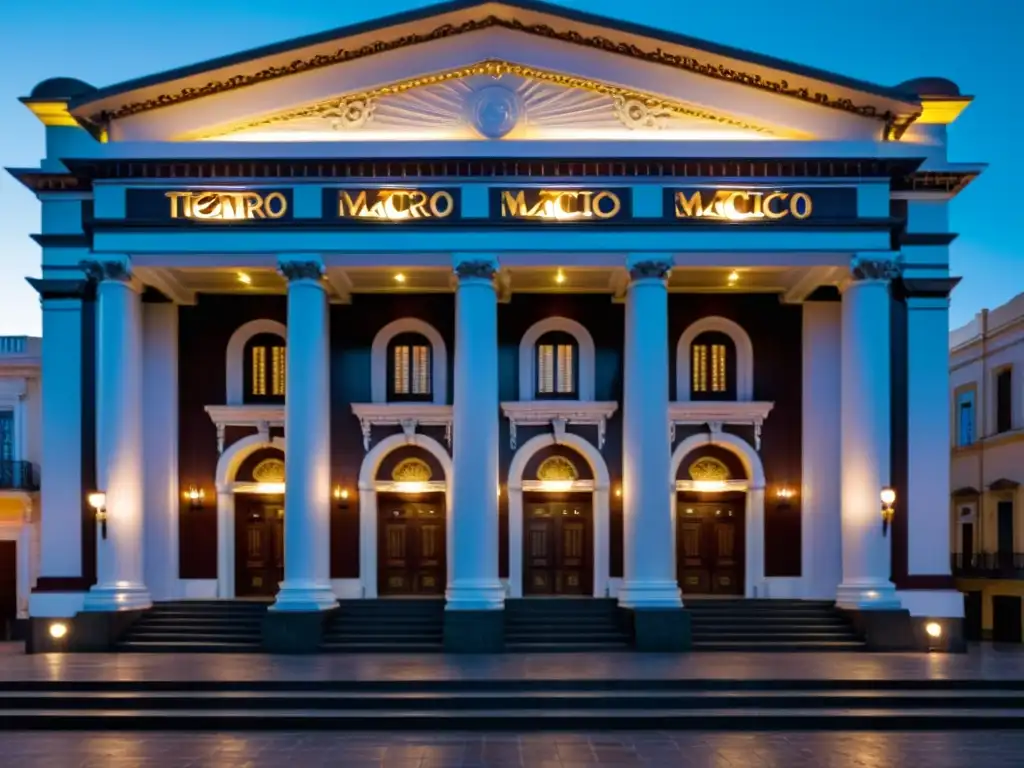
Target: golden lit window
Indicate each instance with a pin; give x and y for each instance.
(265, 377)
(410, 374)
(259, 370)
(712, 359)
(278, 370)
(556, 365)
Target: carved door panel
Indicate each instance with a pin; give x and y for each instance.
(259, 549)
(692, 571)
(412, 556)
(709, 548)
(558, 549)
(539, 551)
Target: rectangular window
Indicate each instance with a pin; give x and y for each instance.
(965, 418)
(278, 370)
(700, 368)
(259, 370)
(420, 370)
(1004, 400)
(565, 362)
(718, 368)
(402, 370)
(545, 368)
(6, 435)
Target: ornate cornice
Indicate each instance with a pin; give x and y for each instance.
(894, 124)
(48, 288)
(867, 268)
(650, 269)
(633, 108)
(301, 270)
(476, 269)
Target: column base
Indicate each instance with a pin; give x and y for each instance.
(85, 632)
(475, 595)
(304, 595)
(292, 631)
(867, 595)
(119, 596)
(884, 630)
(660, 630)
(650, 594)
(474, 631)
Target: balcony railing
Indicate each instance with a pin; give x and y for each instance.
(18, 476)
(989, 565)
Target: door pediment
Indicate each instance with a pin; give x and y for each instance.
(561, 67)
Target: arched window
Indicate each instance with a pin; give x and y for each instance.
(409, 368)
(713, 367)
(557, 366)
(264, 369)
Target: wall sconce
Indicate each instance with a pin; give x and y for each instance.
(888, 497)
(195, 497)
(618, 491)
(98, 501)
(340, 494)
(784, 493)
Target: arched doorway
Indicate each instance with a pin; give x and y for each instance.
(559, 524)
(250, 518)
(404, 518)
(719, 519)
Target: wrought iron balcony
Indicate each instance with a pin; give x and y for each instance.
(18, 476)
(989, 565)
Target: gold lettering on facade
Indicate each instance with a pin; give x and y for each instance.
(395, 204)
(209, 205)
(742, 205)
(560, 204)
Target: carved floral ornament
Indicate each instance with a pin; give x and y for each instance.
(708, 468)
(557, 468)
(98, 271)
(301, 270)
(411, 471)
(269, 471)
(862, 268)
(895, 125)
(658, 270)
(482, 269)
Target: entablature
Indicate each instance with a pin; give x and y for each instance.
(716, 413)
(558, 414)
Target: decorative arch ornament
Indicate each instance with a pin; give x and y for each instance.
(557, 468)
(269, 471)
(744, 356)
(601, 506)
(235, 355)
(528, 356)
(708, 468)
(379, 358)
(411, 470)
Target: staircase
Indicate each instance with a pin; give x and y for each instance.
(381, 626)
(769, 625)
(564, 624)
(201, 626)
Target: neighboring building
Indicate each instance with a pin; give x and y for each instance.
(987, 385)
(561, 305)
(19, 477)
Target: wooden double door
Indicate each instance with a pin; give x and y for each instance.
(259, 546)
(411, 546)
(558, 547)
(710, 549)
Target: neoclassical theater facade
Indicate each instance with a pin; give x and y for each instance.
(489, 301)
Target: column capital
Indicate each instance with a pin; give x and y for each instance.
(875, 267)
(305, 268)
(657, 268)
(480, 268)
(114, 270)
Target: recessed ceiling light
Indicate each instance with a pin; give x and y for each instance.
(733, 276)
(560, 277)
(399, 278)
(244, 279)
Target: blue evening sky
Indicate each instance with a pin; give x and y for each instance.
(976, 44)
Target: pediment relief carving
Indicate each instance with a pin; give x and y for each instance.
(492, 100)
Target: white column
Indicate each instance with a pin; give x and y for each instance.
(162, 494)
(820, 494)
(928, 438)
(60, 518)
(865, 429)
(474, 583)
(307, 443)
(119, 557)
(225, 543)
(650, 579)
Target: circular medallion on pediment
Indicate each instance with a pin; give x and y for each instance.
(269, 471)
(494, 111)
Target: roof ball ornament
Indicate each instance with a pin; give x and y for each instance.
(494, 111)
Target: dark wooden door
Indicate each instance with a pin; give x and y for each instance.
(8, 588)
(259, 548)
(1006, 619)
(411, 548)
(972, 615)
(1004, 522)
(710, 548)
(558, 548)
(966, 545)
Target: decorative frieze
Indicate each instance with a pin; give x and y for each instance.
(558, 414)
(716, 413)
(408, 416)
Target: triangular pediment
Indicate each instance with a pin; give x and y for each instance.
(559, 70)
